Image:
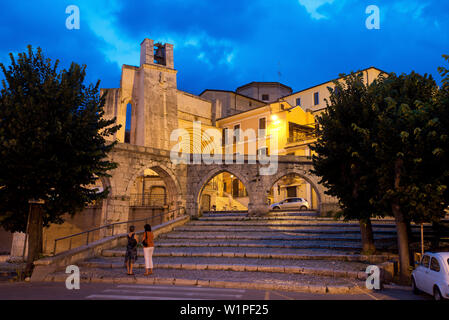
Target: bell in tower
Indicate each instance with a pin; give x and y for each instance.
(159, 54)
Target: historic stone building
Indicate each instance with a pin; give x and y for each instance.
(151, 109)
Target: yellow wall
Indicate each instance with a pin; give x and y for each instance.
(277, 128)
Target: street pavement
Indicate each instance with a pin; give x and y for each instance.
(105, 291)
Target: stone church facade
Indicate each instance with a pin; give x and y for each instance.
(150, 105)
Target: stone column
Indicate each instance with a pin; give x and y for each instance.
(257, 205)
(19, 249)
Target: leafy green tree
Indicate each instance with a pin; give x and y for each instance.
(384, 150)
(344, 153)
(408, 140)
(52, 143)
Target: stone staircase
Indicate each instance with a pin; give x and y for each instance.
(286, 250)
(230, 203)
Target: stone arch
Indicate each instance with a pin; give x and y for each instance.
(174, 196)
(301, 172)
(199, 187)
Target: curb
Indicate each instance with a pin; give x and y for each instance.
(359, 275)
(338, 289)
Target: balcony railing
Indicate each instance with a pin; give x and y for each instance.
(300, 137)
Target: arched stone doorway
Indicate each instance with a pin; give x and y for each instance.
(225, 190)
(305, 186)
(152, 191)
(293, 185)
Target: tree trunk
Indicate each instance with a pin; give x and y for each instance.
(366, 231)
(34, 230)
(403, 244)
(411, 239)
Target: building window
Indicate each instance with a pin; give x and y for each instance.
(236, 133)
(128, 123)
(262, 126)
(298, 101)
(224, 137)
(265, 97)
(316, 98)
(282, 106)
(336, 91)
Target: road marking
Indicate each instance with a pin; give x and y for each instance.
(126, 297)
(174, 292)
(283, 296)
(179, 288)
(368, 294)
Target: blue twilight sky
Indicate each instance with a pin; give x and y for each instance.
(225, 44)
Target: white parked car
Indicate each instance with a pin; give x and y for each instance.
(290, 204)
(432, 275)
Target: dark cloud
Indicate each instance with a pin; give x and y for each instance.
(223, 44)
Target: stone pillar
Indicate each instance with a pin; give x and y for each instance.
(309, 194)
(147, 52)
(257, 205)
(169, 58)
(19, 249)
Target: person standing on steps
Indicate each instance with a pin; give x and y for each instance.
(131, 251)
(148, 249)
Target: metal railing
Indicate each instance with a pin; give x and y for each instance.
(110, 229)
(147, 200)
(300, 137)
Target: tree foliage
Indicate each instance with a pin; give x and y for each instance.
(384, 149)
(343, 147)
(52, 139)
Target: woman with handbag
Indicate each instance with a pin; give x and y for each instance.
(131, 251)
(148, 249)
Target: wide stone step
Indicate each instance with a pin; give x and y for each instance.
(283, 218)
(331, 245)
(271, 214)
(354, 270)
(220, 278)
(296, 222)
(262, 253)
(280, 229)
(269, 237)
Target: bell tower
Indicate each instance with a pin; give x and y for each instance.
(156, 96)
